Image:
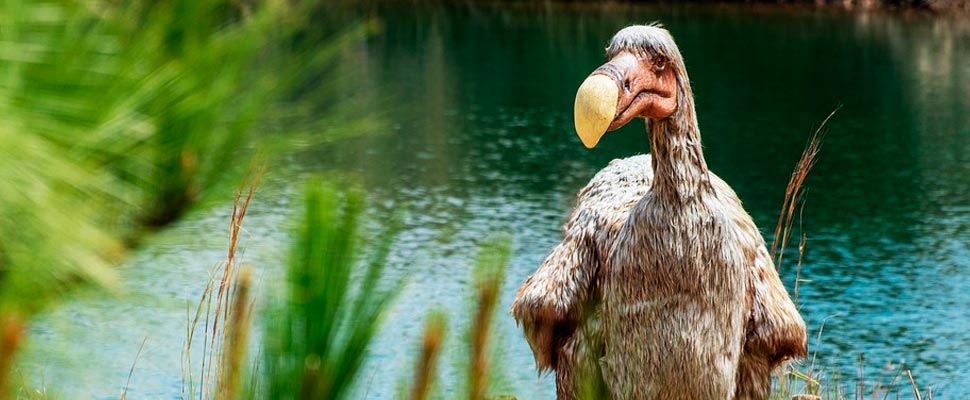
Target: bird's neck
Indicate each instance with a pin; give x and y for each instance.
(680, 172)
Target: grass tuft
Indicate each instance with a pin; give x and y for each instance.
(317, 338)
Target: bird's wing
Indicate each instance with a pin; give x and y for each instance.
(775, 327)
(548, 305)
(775, 331)
(554, 300)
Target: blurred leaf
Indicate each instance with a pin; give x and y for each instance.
(315, 345)
(122, 114)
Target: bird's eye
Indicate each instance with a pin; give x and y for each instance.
(659, 62)
(626, 85)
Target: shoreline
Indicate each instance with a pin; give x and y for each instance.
(940, 8)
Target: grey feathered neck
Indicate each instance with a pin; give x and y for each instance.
(678, 159)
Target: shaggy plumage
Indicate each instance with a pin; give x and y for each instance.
(558, 306)
(662, 287)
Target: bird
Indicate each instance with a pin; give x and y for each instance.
(662, 287)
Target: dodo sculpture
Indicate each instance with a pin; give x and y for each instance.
(662, 287)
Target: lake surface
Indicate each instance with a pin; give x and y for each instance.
(477, 101)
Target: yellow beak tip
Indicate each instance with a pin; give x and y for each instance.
(595, 108)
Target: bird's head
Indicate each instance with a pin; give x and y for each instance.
(644, 77)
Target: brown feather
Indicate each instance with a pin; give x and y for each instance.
(563, 294)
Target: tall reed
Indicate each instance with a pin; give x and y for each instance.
(812, 384)
(492, 260)
(226, 327)
(427, 363)
(12, 332)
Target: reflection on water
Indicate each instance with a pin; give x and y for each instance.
(480, 142)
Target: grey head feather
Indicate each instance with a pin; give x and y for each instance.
(649, 40)
(652, 40)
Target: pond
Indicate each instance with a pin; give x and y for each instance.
(477, 100)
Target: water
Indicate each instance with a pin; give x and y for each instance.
(477, 100)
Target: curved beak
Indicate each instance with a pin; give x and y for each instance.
(600, 104)
(624, 88)
(595, 108)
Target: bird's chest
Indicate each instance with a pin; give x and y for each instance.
(668, 252)
(675, 289)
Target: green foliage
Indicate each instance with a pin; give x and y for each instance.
(316, 340)
(119, 115)
(65, 125)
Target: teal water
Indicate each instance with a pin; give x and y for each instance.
(477, 100)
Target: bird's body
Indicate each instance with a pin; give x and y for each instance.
(679, 332)
(662, 287)
(558, 306)
(565, 291)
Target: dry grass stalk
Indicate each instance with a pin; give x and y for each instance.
(487, 298)
(216, 336)
(814, 384)
(892, 385)
(239, 207)
(222, 299)
(12, 329)
(131, 371)
(234, 355)
(480, 359)
(913, 382)
(798, 266)
(191, 325)
(434, 332)
(794, 191)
